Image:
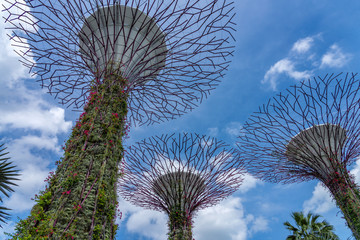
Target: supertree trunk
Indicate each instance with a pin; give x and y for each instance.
(80, 201)
(180, 225)
(347, 197)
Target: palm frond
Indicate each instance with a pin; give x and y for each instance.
(8, 174)
(308, 227)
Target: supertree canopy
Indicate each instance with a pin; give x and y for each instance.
(310, 132)
(171, 53)
(178, 175)
(123, 61)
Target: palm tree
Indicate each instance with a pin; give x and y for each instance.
(308, 228)
(8, 174)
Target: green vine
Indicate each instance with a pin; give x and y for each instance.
(179, 224)
(80, 199)
(347, 196)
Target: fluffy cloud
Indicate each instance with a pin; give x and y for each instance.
(356, 171)
(147, 223)
(227, 220)
(29, 126)
(24, 108)
(249, 182)
(334, 57)
(7, 228)
(34, 115)
(288, 65)
(10, 68)
(257, 224)
(22, 149)
(303, 45)
(233, 129)
(31, 182)
(303, 54)
(33, 168)
(284, 66)
(213, 131)
(320, 202)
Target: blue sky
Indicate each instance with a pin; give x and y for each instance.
(278, 44)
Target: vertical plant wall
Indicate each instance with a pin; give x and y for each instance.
(179, 224)
(346, 194)
(80, 199)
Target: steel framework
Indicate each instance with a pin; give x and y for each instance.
(179, 175)
(310, 132)
(189, 48)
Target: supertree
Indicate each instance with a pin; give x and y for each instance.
(312, 131)
(178, 175)
(155, 58)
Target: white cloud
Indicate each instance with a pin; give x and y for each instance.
(7, 227)
(19, 9)
(213, 131)
(21, 149)
(33, 115)
(10, 68)
(33, 169)
(249, 182)
(303, 54)
(36, 123)
(31, 182)
(299, 53)
(334, 57)
(356, 171)
(320, 202)
(223, 221)
(303, 45)
(234, 129)
(284, 66)
(148, 223)
(24, 108)
(227, 221)
(258, 224)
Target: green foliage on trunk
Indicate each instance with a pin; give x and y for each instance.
(80, 199)
(179, 224)
(347, 196)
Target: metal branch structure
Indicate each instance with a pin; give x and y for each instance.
(312, 131)
(172, 53)
(123, 61)
(179, 175)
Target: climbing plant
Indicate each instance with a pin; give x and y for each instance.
(80, 198)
